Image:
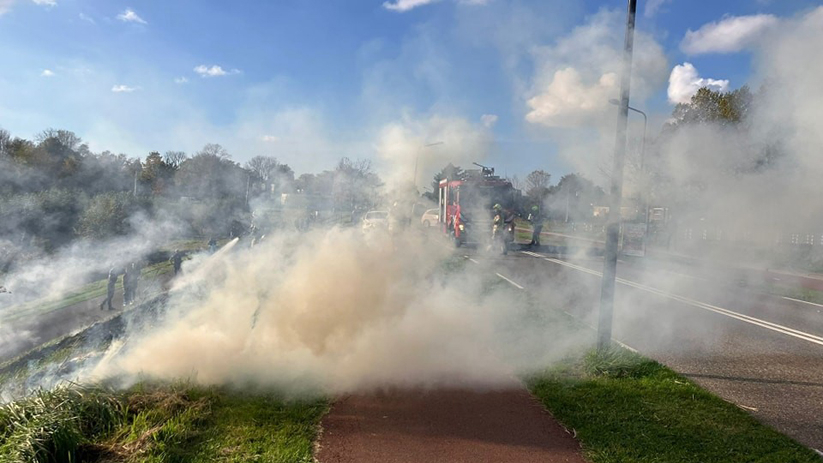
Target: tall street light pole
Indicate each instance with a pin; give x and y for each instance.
(615, 102)
(417, 158)
(643, 188)
(604, 326)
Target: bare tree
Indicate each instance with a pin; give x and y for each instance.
(66, 138)
(263, 167)
(537, 179)
(213, 149)
(174, 158)
(516, 182)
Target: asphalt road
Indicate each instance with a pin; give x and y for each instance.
(759, 351)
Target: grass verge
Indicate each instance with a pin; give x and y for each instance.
(626, 408)
(83, 293)
(157, 424)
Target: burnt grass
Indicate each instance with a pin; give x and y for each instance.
(54, 362)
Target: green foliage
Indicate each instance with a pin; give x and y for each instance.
(51, 426)
(46, 218)
(211, 174)
(709, 106)
(107, 215)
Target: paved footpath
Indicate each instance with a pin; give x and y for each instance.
(445, 425)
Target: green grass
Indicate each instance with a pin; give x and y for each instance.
(809, 295)
(262, 427)
(626, 408)
(84, 293)
(157, 424)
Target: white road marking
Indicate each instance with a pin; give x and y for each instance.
(800, 300)
(620, 343)
(701, 305)
(510, 281)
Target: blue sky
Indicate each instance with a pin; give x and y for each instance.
(310, 81)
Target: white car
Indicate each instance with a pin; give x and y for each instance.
(430, 218)
(376, 220)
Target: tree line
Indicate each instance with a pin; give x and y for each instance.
(54, 189)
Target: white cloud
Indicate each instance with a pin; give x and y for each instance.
(181, 80)
(405, 5)
(569, 101)
(130, 16)
(213, 71)
(5, 6)
(47, 73)
(652, 6)
(488, 120)
(86, 18)
(123, 89)
(685, 81)
(577, 76)
(269, 138)
(729, 35)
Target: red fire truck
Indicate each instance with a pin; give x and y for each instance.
(466, 203)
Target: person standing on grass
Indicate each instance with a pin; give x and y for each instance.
(112, 282)
(177, 260)
(536, 218)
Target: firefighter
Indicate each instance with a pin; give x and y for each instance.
(497, 220)
(110, 289)
(536, 218)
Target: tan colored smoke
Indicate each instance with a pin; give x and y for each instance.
(337, 311)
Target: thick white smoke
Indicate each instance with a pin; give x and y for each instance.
(336, 311)
(761, 176)
(575, 79)
(401, 146)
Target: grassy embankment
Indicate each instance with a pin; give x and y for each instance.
(626, 408)
(97, 288)
(83, 293)
(150, 423)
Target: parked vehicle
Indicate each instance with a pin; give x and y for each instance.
(430, 218)
(375, 220)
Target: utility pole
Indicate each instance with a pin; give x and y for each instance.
(604, 326)
(417, 158)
